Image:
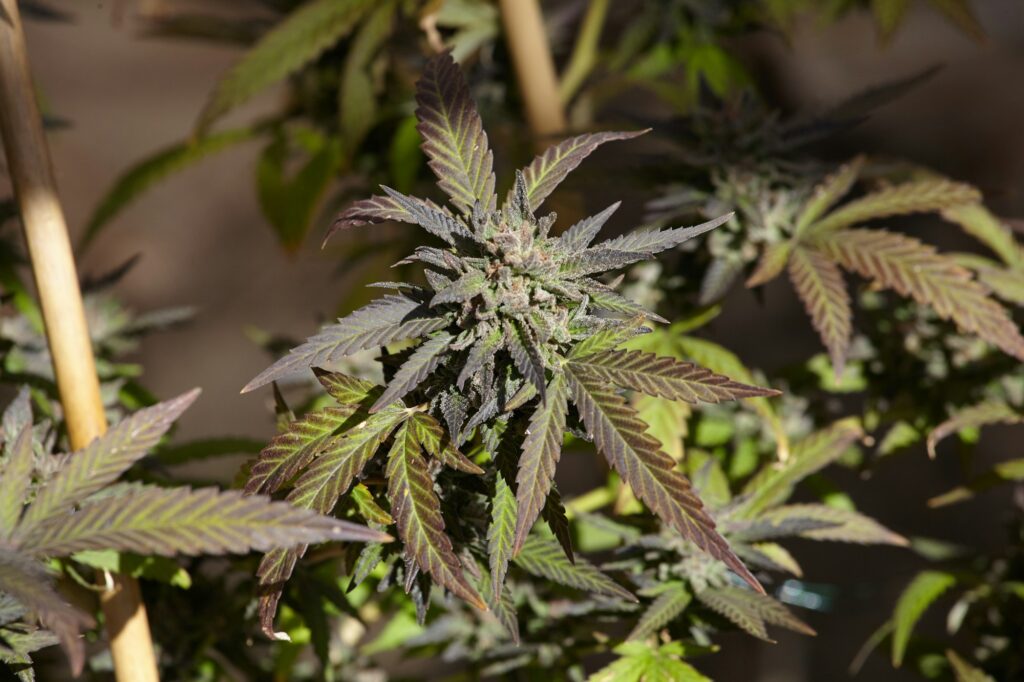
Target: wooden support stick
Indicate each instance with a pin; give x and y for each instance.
(535, 67)
(53, 266)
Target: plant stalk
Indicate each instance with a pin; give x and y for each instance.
(584, 52)
(535, 67)
(60, 299)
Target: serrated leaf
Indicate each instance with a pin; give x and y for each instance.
(17, 415)
(603, 298)
(292, 450)
(723, 361)
(500, 603)
(340, 460)
(388, 319)
(27, 581)
(773, 262)
(379, 209)
(438, 444)
(597, 259)
(501, 531)
(16, 474)
(424, 360)
(548, 169)
(453, 136)
(417, 512)
(655, 241)
(544, 558)
(169, 521)
(664, 377)
(368, 507)
(914, 269)
(103, 460)
(989, 412)
(468, 286)
(820, 286)
(916, 196)
(607, 339)
(751, 611)
(841, 525)
(150, 171)
(774, 483)
(582, 233)
(922, 591)
(432, 218)
(292, 44)
(669, 603)
(831, 190)
(347, 390)
(620, 436)
(526, 356)
(479, 355)
(542, 448)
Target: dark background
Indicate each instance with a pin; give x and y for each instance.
(204, 243)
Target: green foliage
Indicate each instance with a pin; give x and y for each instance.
(924, 589)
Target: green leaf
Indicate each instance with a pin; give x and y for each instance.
(417, 512)
(751, 611)
(548, 169)
(429, 433)
(670, 602)
(640, 662)
(501, 531)
(453, 136)
(293, 43)
(103, 461)
(170, 521)
(368, 507)
(916, 196)
(962, 15)
(289, 200)
(544, 558)
(888, 15)
(774, 483)
(983, 225)
(922, 591)
(666, 421)
(914, 269)
(982, 414)
(388, 319)
(582, 233)
(832, 189)
(148, 172)
(819, 284)
(621, 437)
(664, 377)
(541, 449)
(773, 262)
(16, 474)
(357, 104)
(161, 569)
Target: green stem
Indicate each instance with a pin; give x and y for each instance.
(584, 53)
(588, 502)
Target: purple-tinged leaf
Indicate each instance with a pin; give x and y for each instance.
(751, 611)
(388, 319)
(104, 460)
(453, 136)
(820, 286)
(526, 356)
(547, 170)
(437, 221)
(438, 444)
(170, 521)
(664, 377)
(542, 448)
(654, 241)
(16, 474)
(417, 511)
(620, 435)
(420, 364)
(542, 557)
(582, 233)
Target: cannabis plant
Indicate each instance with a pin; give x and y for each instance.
(512, 321)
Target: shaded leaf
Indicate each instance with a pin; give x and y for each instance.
(582, 233)
(982, 414)
(840, 525)
(544, 558)
(922, 591)
(751, 611)
(670, 602)
(917, 196)
(16, 474)
(413, 371)
(655, 241)
(831, 190)
(964, 671)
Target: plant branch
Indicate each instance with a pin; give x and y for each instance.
(584, 53)
(60, 299)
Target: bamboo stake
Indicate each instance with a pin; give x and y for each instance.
(56, 280)
(535, 67)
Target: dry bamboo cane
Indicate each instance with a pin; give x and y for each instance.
(56, 280)
(535, 67)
